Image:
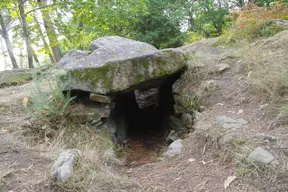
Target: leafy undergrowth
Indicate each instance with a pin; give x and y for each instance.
(254, 23)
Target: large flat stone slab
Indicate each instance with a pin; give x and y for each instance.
(117, 64)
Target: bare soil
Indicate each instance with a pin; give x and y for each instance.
(21, 168)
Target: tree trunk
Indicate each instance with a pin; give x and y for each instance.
(3, 52)
(35, 56)
(52, 36)
(191, 21)
(26, 33)
(44, 40)
(21, 58)
(8, 43)
(80, 28)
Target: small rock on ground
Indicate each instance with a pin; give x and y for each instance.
(174, 148)
(221, 67)
(62, 169)
(260, 155)
(229, 123)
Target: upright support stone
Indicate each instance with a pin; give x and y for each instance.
(101, 98)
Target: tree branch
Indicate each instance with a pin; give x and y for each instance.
(42, 7)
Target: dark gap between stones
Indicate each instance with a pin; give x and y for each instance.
(141, 126)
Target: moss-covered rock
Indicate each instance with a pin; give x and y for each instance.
(117, 64)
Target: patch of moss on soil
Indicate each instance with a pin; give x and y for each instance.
(15, 79)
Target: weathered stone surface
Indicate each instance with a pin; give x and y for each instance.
(174, 148)
(121, 132)
(101, 109)
(177, 87)
(73, 56)
(101, 98)
(92, 113)
(85, 117)
(177, 129)
(229, 123)
(62, 169)
(109, 125)
(172, 136)
(126, 46)
(117, 64)
(178, 110)
(176, 124)
(147, 98)
(260, 155)
(187, 119)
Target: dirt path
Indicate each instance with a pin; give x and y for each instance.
(21, 168)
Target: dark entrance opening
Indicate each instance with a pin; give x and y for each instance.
(142, 129)
(146, 128)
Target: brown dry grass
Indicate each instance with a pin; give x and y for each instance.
(254, 23)
(94, 169)
(268, 72)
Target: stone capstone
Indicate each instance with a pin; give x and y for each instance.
(117, 64)
(74, 55)
(120, 44)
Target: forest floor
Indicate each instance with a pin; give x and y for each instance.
(210, 154)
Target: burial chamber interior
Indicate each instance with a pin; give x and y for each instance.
(147, 122)
(135, 122)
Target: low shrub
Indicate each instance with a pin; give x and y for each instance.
(193, 37)
(255, 23)
(47, 98)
